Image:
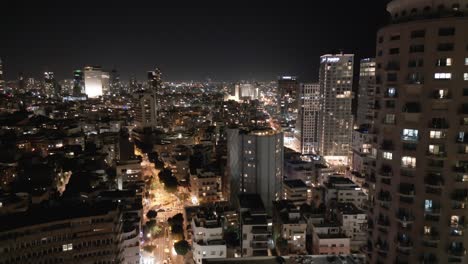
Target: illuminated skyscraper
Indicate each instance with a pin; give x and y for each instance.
(419, 186)
(336, 119)
(78, 83)
(307, 122)
(366, 93)
(51, 87)
(287, 95)
(154, 80)
(105, 83)
(93, 81)
(115, 85)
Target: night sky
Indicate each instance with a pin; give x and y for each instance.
(223, 42)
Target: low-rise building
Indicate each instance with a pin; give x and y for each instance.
(328, 239)
(295, 191)
(343, 190)
(353, 224)
(127, 171)
(289, 225)
(255, 226)
(205, 186)
(207, 237)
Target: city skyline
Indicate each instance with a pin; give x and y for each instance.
(254, 42)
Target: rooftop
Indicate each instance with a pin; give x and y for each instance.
(295, 183)
(251, 201)
(349, 208)
(40, 215)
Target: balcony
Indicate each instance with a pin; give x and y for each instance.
(431, 217)
(460, 195)
(385, 171)
(460, 169)
(387, 145)
(392, 66)
(463, 110)
(259, 245)
(404, 244)
(384, 196)
(412, 108)
(436, 155)
(456, 251)
(434, 236)
(406, 190)
(405, 219)
(440, 95)
(438, 123)
(434, 180)
(383, 222)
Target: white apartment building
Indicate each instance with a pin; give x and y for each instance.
(205, 186)
(207, 237)
(343, 190)
(336, 118)
(353, 224)
(307, 123)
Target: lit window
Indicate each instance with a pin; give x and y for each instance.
(466, 61)
(442, 76)
(390, 119)
(465, 76)
(444, 62)
(408, 162)
(435, 134)
(410, 134)
(434, 149)
(427, 230)
(391, 92)
(387, 155)
(67, 247)
(427, 205)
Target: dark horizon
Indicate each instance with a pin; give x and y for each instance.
(187, 43)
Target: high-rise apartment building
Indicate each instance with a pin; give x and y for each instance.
(362, 135)
(287, 94)
(155, 80)
(105, 77)
(115, 84)
(419, 204)
(307, 122)
(93, 81)
(365, 97)
(78, 83)
(336, 119)
(51, 86)
(255, 161)
(145, 110)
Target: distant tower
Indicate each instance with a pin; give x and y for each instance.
(115, 85)
(93, 81)
(21, 83)
(307, 122)
(105, 77)
(133, 84)
(2, 81)
(336, 119)
(366, 92)
(51, 87)
(154, 80)
(288, 88)
(78, 83)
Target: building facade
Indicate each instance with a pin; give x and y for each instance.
(93, 81)
(308, 118)
(336, 119)
(255, 163)
(288, 89)
(366, 93)
(421, 183)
